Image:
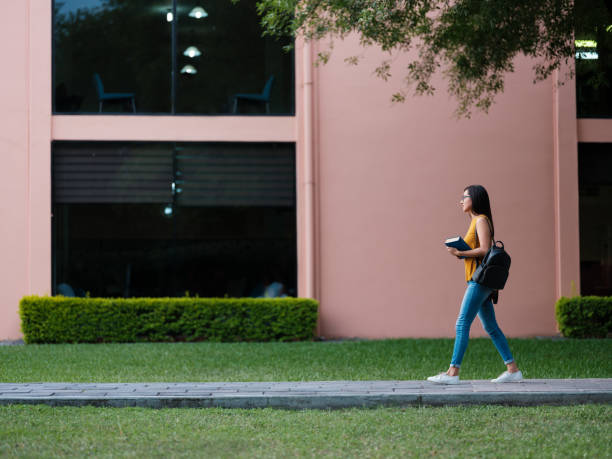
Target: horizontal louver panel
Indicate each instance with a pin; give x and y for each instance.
(238, 177)
(208, 175)
(112, 174)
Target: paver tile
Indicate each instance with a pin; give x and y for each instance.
(309, 394)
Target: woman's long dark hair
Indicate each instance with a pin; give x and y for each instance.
(480, 203)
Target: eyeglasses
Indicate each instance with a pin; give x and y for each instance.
(466, 196)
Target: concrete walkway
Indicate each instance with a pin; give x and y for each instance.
(309, 395)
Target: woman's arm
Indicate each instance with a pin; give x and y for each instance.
(474, 253)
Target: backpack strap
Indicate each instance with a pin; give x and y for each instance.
(494, 297)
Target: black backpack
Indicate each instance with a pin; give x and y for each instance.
(494, 269)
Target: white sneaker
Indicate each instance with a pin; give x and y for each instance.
(509, 377)
(443, 378)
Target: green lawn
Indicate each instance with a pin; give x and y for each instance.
(486, 431)
(353, 360)
(489, 431)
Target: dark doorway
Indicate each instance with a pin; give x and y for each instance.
(595, 184)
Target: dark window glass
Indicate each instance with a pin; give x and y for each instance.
(224, 65)
(595, 179)
(126, 43)
(594, 59)
(168, 56)
(163, 219)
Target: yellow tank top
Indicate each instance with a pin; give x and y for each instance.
(472, 240)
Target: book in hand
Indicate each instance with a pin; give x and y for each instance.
(458, 243)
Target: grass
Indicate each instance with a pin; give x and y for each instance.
(488, 431)
(484, 431)
(344, 360)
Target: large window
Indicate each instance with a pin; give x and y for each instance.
(168, 57)
(595, 179)
(164, 219)
(594, 59)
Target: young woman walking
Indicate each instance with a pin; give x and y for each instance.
(477, 298)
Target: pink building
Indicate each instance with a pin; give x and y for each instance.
(147, 152)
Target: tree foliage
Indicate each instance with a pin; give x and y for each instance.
(472, 42)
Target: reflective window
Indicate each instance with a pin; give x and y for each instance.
(224, 64)
(166, 219)
(168, 56)
(593, 59)
(595, 184)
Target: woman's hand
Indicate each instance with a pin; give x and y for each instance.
(453, 251)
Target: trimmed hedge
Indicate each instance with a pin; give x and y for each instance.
(585, 316)
(58, 319)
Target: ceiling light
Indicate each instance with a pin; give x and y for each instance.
(198, 12)
(587, 55)
(192, 51)
(189, 69)
(586, 44)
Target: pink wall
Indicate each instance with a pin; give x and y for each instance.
(13, 169)
(24, 163)
(378, 186)
(390, 178)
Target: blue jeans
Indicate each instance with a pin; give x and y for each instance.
(477, 301)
